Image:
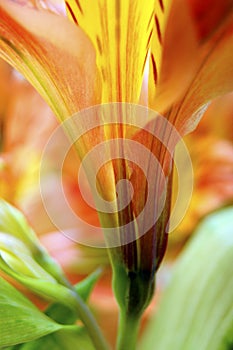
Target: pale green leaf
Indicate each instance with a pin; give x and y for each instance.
(20, 320)
(196, 311)
(61, 340)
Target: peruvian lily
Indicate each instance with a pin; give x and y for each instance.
(171, 56)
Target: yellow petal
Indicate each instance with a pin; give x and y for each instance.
(54, 55)
(121, 32)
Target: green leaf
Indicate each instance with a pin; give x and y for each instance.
(20, 320)
(85, 287)
(62, 314)
(196, 311)
(61, 340)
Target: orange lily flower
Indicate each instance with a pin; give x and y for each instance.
(108, 52)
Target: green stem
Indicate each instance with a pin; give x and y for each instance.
(89, 321)
(128, 332)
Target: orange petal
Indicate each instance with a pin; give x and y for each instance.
(172, 63)
(214, 77)
(54, 55)
(208, 15)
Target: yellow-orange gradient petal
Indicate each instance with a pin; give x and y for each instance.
(121, 32)
(52, 53)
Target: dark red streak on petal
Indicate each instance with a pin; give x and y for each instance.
(158, 29)
(148, 41)
(71, 12)
(99, 44)
(154, 69)
(161, 5)
(79, 6)
(149, 22)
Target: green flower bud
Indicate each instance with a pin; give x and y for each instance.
(15, 256)
(23, 257)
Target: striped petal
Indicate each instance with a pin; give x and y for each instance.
(54, 55)
(120, 31)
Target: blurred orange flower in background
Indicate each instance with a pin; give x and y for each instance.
(25, 126)
(211, 151)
